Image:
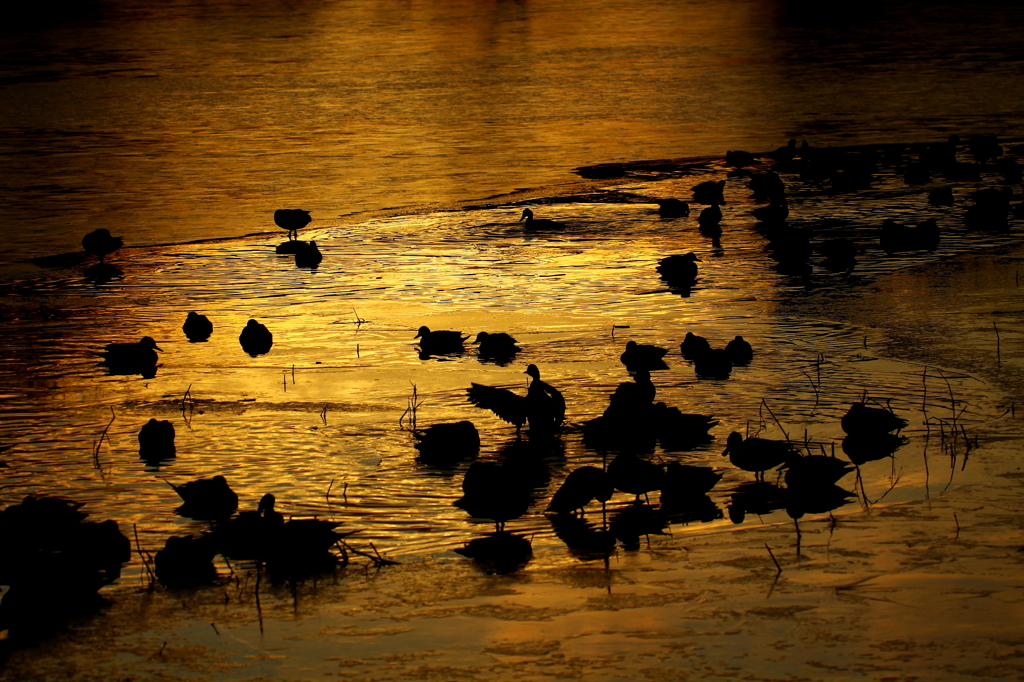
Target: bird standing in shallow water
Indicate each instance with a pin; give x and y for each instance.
(441, 342)
(197, 327)
(100, 244)
(539, 223)
(291, 219)
(757, 454)
(542, 408)
(255, 338)
(580, 487)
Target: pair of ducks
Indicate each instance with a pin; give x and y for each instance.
(497, 346)
(255, 338)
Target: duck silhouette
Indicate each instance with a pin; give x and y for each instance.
(497, 347)
(777, 211)
(840, 254)
(677, 430)
(739, 351)
(580, 487)
(679, 270)
(291, 219)
(156, 440)
(186, 561)
(445, 444)
(643, 356)
(542, 408)
(861, 420)
(757, 454)
(308, 255)
(441, 342)
(710, 217)
(249, 535)
(694, 346)
(814, 471)
(635, 475)
(206, 498)
(739, 159)
(709, 192)
(499, 492)
(672, 208)
(714, 364)
(539, 223)
(99, 243)
(197, 327)
(255, 338)
(132, 358)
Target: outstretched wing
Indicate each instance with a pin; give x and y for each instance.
(501, 401)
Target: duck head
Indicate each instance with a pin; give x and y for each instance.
(148, 342)
(734, 440)
(482, 336)
(533, 372)
(692, 257)
(423, 331)
(527, 213)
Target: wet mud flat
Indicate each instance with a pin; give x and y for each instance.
(925, 589)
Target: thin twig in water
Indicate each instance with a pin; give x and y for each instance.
(811, 381)
(777, 423)
(618, 326)
(359, 320)
(293, 375)
(999, 356)
(144, 556)
(323, 415)
(957, 522)
(191, 404)
(328, 494)
(96, 450)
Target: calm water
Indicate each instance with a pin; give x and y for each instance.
(193, 121)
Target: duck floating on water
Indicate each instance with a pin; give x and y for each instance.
(709, 192)
(498, 347)
(643, 356)
(861, 420)
(156, 440)
(440, 342)
(542, 408)
(739, 351)
(679, 271)
(446, 444)
(197, 327)
(206, 498)
(132, 358)
(672, 208)
(100, 244)
(291, 219)
(256, 339)
(308, 255)
(540, 223)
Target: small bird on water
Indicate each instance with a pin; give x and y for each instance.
(256, 339)
(539, 223)
(100, 244)
(132, 358)
(440, 342)
(197, 327)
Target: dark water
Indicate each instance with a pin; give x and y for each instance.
(195, 121)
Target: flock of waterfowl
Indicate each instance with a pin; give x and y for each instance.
(51, 544)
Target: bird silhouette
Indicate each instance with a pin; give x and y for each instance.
(132, 358)
(446, 444)
(291, 219)
(441, 342)
(673, 208)
(156, 440)
(861, 420)
(739, 351)
(100, 244)
(497, 347)
(255, 338)
(694, 346)
(206, 498)
(197, 327)
(539, 223)
(679, 271)
(757, 454)
(643, 356)
(542, 408)
(580, 487)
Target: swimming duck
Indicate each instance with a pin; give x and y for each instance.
(710, 217)
(643, 356)
(447, 443)
(255, 338)
(539, 224)
(739, 351)
(861, 420)
(186, 561)
(685, 480)
(739, 159)
(714, 364)
(694, 346)
(497, 346)
(248, 535)
(197, 327)
(777, 211)
(679, 270)
(291, 219)
(441, 342)
(757, 454)
(308, 256)
(156, 440)
(543, 406)
(709, 192)
(672, 208)
(766, 186)
(132, 358)
(206, 498)
(581, 486)
(100, 244)
(787, 153)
